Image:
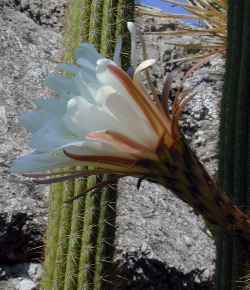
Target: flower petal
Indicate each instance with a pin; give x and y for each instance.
(36, 162)
(71, 68)
(110, 74)
(82, 117)
(122, 142)
(55, 106)
(33, 121)
(87, 51)
(53, 135)
(63, 86)
(132, 121)
(102, 159)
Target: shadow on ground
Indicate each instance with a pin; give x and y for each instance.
(139, 272)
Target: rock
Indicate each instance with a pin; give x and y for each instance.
(27, 284)
(24, 276)
(3, 120)
(48, 13)
(35, 271)
(155, 217)
(26, 52)
(188, 241)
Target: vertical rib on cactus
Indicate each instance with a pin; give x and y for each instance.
(55, 203)
(108, 27)
(105, 240)
(76, 26)
(86, 8)
(95, 23)
(80, 234)
(74, 249)
(227, 129)
(89, 236)
(124, 13)
(232, 252)
(63, 236)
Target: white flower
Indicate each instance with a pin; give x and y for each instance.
(102, 118)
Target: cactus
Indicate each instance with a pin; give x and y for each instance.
(233, 254)
(80, 234)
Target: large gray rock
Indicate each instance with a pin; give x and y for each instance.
(48, 13)
(26, 52)
(150, 219)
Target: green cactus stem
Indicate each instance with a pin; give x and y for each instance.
(64, 232)
(96, 23)
(80, 234)
(89, 235)
(74, 248)
(108, 27)
(124, 13)
(105, 239)
(233, 254)
(55, 202)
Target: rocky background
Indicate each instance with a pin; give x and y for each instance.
(160, 242)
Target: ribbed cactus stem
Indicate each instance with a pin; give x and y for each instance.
(124, 13)
(108, 28)
(89, 236)
(74, 249)
(55, 203)
(63, 236)
(80, 235)
(73, 30)
(233, 257)
(95, 23)
(105, 239)
(122, 6)
(85, 21)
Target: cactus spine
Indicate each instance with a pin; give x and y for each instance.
(80, 235)
(233, 254)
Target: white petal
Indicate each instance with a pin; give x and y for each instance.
(68, 68)
(88, 51)
(91, 148)
(130, 120)
(83, 117)
(87, 87)
(36, 162)
(57, 106)
(104, 75)
(33, 121)
(86, 64)
(49, 109)
(63, 86)
(122, 105)
(53, 134)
